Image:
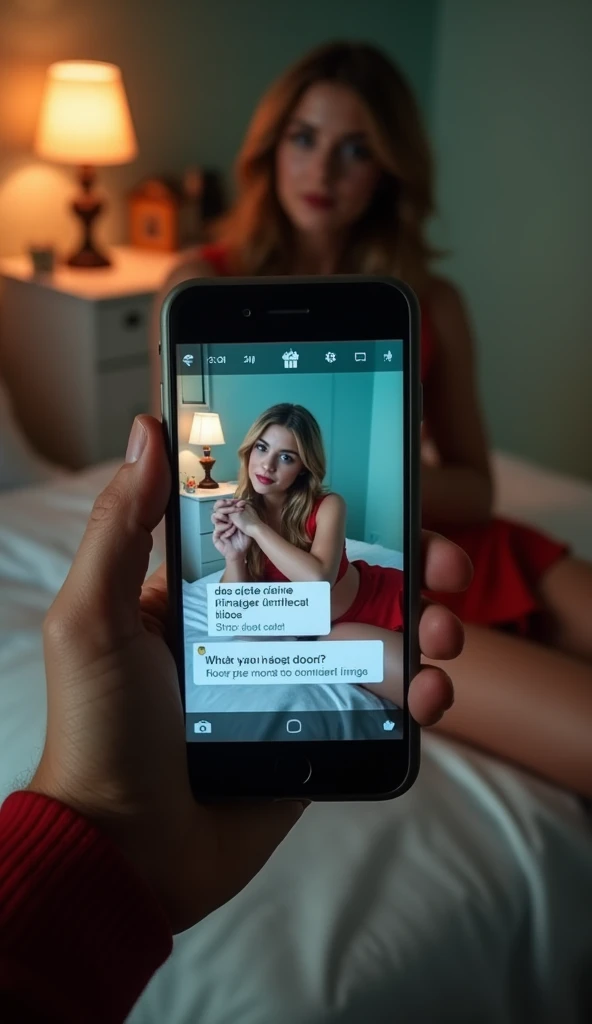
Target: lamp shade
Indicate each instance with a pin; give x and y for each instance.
(85, 117)
(206, 429)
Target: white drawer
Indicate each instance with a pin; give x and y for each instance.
(205, 515)
(209, 567)
(123, 329)
(208, 551)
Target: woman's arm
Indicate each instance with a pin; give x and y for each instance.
(319, 564)
(459, 490)
(235, 571)
(230, 542)
(190, 266)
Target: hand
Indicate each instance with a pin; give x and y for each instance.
(227, 538)
(245, 519)
(115, 742)
(445, 567)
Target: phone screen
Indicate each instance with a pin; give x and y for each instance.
(291, 512)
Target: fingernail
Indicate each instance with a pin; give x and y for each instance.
(137, 442)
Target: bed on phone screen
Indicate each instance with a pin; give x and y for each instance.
(469, 899)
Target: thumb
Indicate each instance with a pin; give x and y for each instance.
(104, 584)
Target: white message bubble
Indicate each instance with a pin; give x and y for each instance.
(292, 661)
(269, 609)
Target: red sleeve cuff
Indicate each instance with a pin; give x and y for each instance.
(80, 934)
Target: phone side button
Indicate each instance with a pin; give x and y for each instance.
(292, 771)
(161, 398)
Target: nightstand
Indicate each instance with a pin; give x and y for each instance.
(74, 351)
(199, 554)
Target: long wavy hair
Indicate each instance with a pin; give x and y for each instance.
(390, 237)
(307, 487)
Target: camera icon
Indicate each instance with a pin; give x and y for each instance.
(202, 727)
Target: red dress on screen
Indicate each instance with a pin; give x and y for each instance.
(379, 600)
(508, 558)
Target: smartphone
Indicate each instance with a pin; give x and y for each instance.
(292, 412)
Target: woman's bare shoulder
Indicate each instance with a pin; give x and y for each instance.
(332, 505)
(448, 312)
(443, 297)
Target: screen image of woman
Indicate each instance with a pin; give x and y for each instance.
(283, 526)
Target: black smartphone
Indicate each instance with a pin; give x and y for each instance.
(292, 412)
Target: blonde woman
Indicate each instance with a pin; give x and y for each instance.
(283, 526)
(335, 174)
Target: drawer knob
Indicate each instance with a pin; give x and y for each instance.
(132, 320)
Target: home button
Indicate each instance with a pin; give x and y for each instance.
(292, 770)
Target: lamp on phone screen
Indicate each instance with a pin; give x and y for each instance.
(206, 430)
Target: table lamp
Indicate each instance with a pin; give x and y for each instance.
(206, 430)
(85, 120)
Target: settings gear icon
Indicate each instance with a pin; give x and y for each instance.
(330, 357)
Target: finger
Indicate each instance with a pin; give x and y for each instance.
(446, 567)
(431, 694)
(102, 591)
(441, 634)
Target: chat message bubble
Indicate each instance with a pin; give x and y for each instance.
(292, 661)
(267, 609)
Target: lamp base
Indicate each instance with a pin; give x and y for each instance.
(87, 207)
(88, 257)
(207, 483)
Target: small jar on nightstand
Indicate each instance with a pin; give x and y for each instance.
(200, 557)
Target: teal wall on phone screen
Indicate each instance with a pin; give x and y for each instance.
(361, 420)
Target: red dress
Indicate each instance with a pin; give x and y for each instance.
(379, 600)
(508, 558)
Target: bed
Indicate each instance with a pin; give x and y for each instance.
(467, 900)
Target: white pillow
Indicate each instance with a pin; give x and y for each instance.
(20, 465)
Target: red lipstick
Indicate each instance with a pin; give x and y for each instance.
(318, 201)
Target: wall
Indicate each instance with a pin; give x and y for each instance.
(512, 102)
(193, 70)
(384, 509)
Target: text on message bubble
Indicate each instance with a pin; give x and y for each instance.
(292, 661)
(265, 609)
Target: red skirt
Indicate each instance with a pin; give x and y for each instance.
(379, 601)
(508, 560)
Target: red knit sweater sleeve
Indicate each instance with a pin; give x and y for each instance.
(80, 934)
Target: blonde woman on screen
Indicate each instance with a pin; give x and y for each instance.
(282, 526)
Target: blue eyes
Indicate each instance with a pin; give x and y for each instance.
(284, 456)
(303, 139)
(355, 151)
(349, 151)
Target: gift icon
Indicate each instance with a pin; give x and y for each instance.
(290, 360)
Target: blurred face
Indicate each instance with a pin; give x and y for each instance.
(326, 172)
(274, 462)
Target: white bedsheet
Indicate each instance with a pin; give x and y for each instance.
(466, 900)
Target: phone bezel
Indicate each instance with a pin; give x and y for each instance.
(340, 308)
